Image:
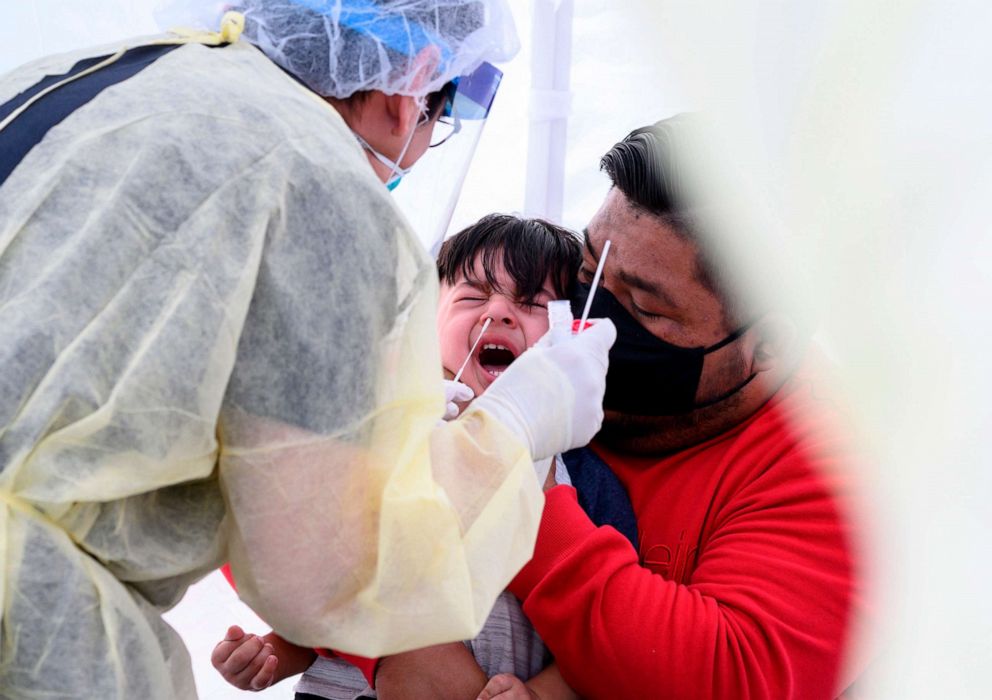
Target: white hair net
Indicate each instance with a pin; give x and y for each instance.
(340, 47)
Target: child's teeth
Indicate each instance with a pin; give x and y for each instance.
(491, 346)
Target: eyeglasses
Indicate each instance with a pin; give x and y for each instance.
(444, 129)
(442, 104)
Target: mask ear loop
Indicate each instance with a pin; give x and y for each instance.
(726, 395)
(716, 346)
(396, 172)
(399, 171)
(730, 338)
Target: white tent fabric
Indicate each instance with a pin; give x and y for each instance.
(867, 128)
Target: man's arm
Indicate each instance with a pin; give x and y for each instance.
(442, 672)
(763, 615)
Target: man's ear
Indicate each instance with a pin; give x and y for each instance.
(403, 110)
(776, 341)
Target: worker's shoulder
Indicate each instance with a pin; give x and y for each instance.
(239, 112)
(22, 77)
(231, 104)
(238, 87)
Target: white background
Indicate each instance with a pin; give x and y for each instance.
(866, 128)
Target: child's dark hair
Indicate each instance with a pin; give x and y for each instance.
(530, 251)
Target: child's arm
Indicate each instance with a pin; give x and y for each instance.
(445, 671)
(546, 685)
(549, 685)
(250, 662)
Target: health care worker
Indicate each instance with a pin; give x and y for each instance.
(217, 342)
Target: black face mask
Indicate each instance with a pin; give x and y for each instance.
(647, 376)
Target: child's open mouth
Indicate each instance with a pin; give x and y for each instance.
(495, 358)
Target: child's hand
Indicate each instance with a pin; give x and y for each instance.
(246, 661)
(507, 687)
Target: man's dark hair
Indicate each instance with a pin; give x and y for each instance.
(649, 167)
(645, 168)
(671, 171)
(530, 250)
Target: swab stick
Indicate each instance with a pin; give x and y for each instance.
(595, 284)
(472, 351)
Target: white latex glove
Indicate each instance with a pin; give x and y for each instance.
(552, 395)
(455, 391)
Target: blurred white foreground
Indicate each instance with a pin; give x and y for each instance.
(866, 128)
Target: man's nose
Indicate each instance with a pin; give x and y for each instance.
(500, 309)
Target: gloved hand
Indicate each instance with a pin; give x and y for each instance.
(455, 391)
(551, 397)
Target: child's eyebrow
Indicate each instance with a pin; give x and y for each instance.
(481, 285)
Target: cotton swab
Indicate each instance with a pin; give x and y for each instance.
(595, 284)
(474, 346)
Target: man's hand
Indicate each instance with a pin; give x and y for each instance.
(246, 661)
(506, 686)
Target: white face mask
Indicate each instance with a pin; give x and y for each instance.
(396, 172)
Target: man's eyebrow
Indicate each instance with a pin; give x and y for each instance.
(632, 280)
(653, 288)
(588, 244)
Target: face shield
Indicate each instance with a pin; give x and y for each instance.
(430, 191)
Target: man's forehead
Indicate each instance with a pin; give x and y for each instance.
(647, 253)
(618, 213)
(621, 221)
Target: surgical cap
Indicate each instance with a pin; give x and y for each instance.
(340, 47)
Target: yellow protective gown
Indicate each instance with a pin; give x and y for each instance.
(217, 342)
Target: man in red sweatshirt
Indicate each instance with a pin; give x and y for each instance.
(744, 580)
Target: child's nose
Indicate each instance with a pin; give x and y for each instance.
(500, 309)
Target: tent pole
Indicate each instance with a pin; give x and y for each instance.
(550, 104)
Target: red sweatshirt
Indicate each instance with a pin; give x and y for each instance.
(743, 581)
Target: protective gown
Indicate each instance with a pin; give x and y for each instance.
(217, 342)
